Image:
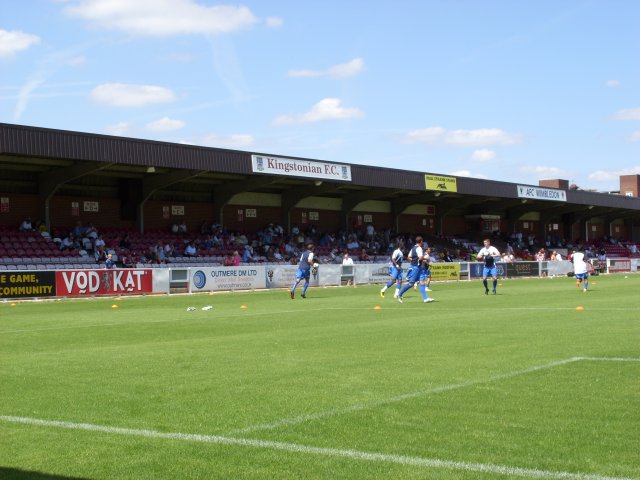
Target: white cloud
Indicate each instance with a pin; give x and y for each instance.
(426, 135)
(274, 22)
(14, 41)
(480, 137)
(165, 124)
(228, 141)
(124, 95)
(179, 57)
(343, 70)
(483, 155)
(463, 138)
(635, 136)
(162, 17)
(627, 114)
(325, 109)
(76, 61)
(609, 175)
(467, 173)
(613, 83)
(119, 129)
(542, 171)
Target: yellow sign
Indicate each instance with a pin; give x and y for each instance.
(445, 271)
(440, 183)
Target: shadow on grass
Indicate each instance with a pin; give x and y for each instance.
(15, 474)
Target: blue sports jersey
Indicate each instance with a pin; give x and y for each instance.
(489, 261)
(416, 253)
(304, 260)
(397, 257)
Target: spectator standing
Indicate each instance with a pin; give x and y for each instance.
(26, 225)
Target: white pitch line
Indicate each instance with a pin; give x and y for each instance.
(609, 359)
(327, 452)
(398, 398)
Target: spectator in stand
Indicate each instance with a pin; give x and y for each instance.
(128, 260)
(346, 259)
(79, 230)
(125, 242)
(241, 239)
(510, 249)
(236, 259)
(364, 256)
(91, 232)
(602, 256)
(541, 255)
(228, 261)
(69, 243)
(100, 255)
(182, 227)
(446, 256)
(269, 254)
(353, 243)
(169, 251)
(26, 225)
(208, 242)
(190, 250)
(295, 230)
(247, 255)
(109, 263)
(41, 227)
(99, 242)
(160, 254)
(175, 228)
(151, 255)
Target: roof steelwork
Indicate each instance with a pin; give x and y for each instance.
(194, 173)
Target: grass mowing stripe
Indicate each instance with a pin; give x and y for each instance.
(329, 452)
(399, 398)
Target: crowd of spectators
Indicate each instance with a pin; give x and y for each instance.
(275, 245)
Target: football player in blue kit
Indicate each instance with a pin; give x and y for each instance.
(304, 272)
(488, 254)
(416, 271)
(395, 271)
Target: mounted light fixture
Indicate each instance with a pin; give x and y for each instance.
(524, 200)
(317, 183)
(590, 207)
(437, 194)
(151, 169)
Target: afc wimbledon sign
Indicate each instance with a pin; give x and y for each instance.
(537, 193)
(300, 168)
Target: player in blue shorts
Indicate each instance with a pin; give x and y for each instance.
(580, 270)
(395, 271)
(425, 272)
(416, 259)
(304, 272)
(488, 254)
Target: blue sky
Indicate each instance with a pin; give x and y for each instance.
(506, 90)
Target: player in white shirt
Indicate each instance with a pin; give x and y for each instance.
(580, 270)
(488, 253)
(395, 271)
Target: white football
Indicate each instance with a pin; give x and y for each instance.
(316, 265)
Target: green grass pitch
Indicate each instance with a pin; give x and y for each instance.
(340, 385)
